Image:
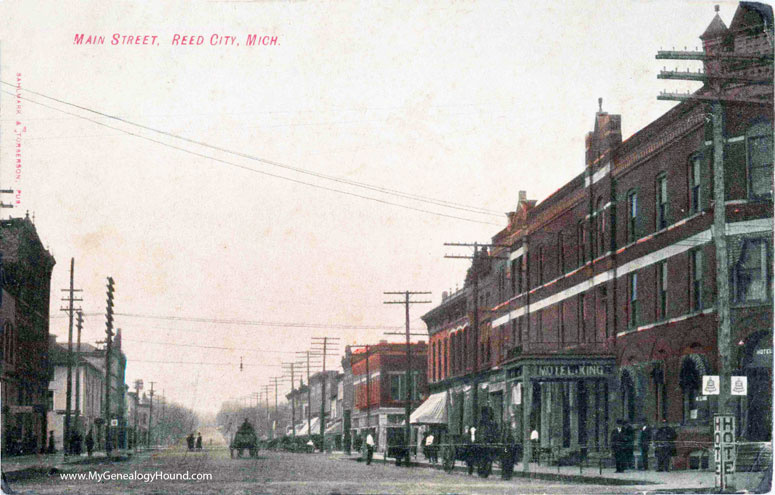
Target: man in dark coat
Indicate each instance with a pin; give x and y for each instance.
(89, 442)
(199, 442)
(629, 444)
(618, 440)
(190, 441)
(644, 442)
(664, 446)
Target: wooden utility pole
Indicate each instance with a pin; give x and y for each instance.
(728, 78)
(150, 417)
(323, 342)
(291, 366)
(108, 346)
(79, 326)
(408, 406)
(69, 389)
(138, 387)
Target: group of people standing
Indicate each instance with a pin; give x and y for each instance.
(623, 439)
(191, 442)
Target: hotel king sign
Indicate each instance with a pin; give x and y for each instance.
(574, 370)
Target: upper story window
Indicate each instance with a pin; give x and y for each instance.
(581, 242)
(760, 163)
(695, 184)
(582, 310)
(661, 186)
(751, 272)
(560, 254)
(600, 227)
(632, 216)
(541, 255)
(696, 274)
(662, 290)
(632, 307)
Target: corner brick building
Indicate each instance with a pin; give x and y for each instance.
(600, 302)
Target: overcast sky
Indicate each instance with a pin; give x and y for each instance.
(461, 102)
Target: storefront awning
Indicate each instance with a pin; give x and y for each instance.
(334, 429)
(432, 411)
(305, 430)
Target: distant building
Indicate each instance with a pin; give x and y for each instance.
(86, 404)
(25, 276)
(380, 388)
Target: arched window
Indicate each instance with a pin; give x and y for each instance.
(628, 396)
(690, 380)
(759, 158)
(600, 226)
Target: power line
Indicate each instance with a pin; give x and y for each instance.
(202, 363)
(363, 185)
(207, 346)
(231, 321)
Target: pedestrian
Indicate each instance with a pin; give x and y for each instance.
(618, 440)
(645, 442)
(51, 443)
(199, 441)
(190, 441)
(509, 454)
(89, 442)
(369, 448)
(664, 446)
(629, 444)
(77, 440)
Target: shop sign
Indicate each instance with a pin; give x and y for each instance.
(710, 385)
(724, 452)
(574, 370)
(516, 394)
(20, 409)
(739, 385)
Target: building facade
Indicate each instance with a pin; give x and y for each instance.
(88, 390)
(380, 388)
(602, 301)
(25, 276)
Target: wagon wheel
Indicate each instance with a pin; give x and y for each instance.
(448, 457)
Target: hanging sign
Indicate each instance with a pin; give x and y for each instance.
(710, 385)
(739, 385)
(724, 451)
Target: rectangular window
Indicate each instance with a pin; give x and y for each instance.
(541, 253)
(560, 254)
(750, 273)
(519, 262)
(582, 318)
(695, 183)
(662, 290)
(760, 166)
(632, 216)
(695, 289)
(661, 221)
(514, 273)
(633, 299)
(581, 240)
(561, 323)
(396, 387)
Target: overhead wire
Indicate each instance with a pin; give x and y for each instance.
(380, 189)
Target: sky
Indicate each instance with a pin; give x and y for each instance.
(246, 199)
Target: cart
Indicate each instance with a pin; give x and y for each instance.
(244, 439)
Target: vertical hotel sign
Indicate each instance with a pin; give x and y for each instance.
(725, 455)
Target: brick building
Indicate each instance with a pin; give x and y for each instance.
(379, 388)
(600, 302)
(25, 276)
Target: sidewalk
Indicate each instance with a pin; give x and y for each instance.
(10, 464)
(640, 481)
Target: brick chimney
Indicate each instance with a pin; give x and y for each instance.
(606, 136)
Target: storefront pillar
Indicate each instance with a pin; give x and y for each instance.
(527, 405)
